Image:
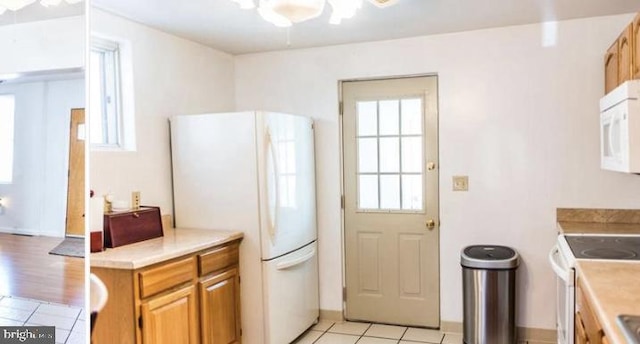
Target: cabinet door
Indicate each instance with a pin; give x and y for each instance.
(636, 47)
(220, 308)
(581, 333)
(611, 68)
(625, 54)
(171, 318)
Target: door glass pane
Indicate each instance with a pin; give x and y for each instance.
(412, 116)
(412, 192)
(390, 191)
(368, 155)
(389, 117)
(389, 154)
(412, 154)
(367, 118)
(368, 192)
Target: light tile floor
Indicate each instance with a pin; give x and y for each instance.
(328, 332)
(69, 321)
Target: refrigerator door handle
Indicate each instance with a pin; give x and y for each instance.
(273, 219)
(296, 261)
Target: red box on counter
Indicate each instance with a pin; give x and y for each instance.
(128, 227)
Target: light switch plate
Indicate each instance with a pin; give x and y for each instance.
(460, 183)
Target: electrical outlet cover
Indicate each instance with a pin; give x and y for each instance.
(460, 183)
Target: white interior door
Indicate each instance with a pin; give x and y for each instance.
(390, 139)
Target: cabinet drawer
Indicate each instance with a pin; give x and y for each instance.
(166, 276)
(218, 259)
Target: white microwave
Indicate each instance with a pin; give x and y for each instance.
(620, 128)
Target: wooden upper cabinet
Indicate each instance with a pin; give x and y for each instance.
(636, 47)
(625, 54)
(611, 68)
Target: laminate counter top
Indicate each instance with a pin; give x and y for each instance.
(175, 243)
(613, 288)
(566, 227)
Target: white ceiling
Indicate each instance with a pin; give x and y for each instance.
(36, 12)
(221, 24)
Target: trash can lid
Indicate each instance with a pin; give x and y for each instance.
(489, 257)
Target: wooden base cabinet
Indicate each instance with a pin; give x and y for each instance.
(220, 308)
(588, 330)
(191, 299)
(171, 318)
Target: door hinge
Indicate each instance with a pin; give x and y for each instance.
(342, 202)
(344, 294)
(140, 321)
(341, 108)
(313, 126)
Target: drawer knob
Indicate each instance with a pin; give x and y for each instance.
(136, 215)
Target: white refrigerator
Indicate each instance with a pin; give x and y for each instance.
(255, 172)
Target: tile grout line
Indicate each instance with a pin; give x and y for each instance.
(323, 333)
(73, 326)
(32, 313)
(365, 331)
(403, 333)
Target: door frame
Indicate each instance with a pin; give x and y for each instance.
(342, 163)
(83, 168)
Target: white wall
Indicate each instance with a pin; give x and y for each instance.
(519, 118)
(42, 45)
(171, 76)
(37, 198)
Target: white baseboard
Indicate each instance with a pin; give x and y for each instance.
(20, 231)
(331, 315)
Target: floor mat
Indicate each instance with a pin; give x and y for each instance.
(70, 247)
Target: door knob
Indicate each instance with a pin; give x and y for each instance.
(431, 224)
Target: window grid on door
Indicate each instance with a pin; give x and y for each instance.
(390, 172)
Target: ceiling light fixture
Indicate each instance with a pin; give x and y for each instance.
(284, 13)
(14, 5)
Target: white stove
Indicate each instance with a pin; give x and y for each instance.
(563, 257)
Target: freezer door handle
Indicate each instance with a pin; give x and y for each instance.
(296, 261)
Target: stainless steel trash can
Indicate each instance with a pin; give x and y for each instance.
(489, 294)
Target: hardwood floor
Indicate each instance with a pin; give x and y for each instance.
(28, 270)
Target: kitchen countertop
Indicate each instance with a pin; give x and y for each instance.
(175, 243)
(613, 288)
(566, 227)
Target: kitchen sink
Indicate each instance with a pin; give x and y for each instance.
(630, 325)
